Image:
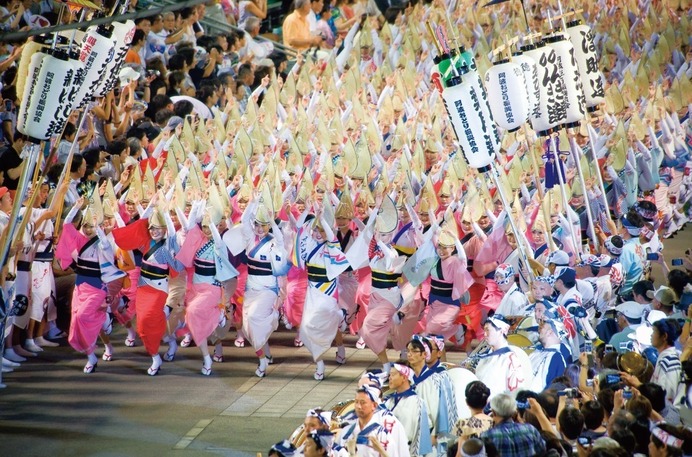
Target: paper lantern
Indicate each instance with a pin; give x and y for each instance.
(68, 104)
(551, 110)
(32, 73)
(530, 69)
(569, 72)
(30, 48)
(507, 95)
(48, 91)
(123, 34)
(581, 38)
(475, 131)
(97, 50)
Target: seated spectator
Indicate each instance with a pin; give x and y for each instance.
(258, 48)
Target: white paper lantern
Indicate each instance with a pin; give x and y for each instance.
(569, 72)
(67, 106)
(475, 79)
(476, 132)
(551, 101)
(33, 71)
(530, 70)
(98, 49)
(48, 90)
(581, 37)
(123, 34)
(507, 95)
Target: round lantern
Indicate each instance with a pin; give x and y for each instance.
(475, 131)
(123, 34)
(98, 49)
(530, 70)
(581, 37)
(551, 101)
(68, 104)
(507, 95)
(569, 72)
(475, 79)
(47, 94)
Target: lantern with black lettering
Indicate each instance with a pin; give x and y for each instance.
(507, 95)
(98, 49)
(530, 70)
(122, 34)
(551, 101)
(46, 93)
(581, 37)
(475, 131)
(569, 73)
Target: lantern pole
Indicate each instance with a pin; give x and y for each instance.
(577, 160)
(592, 143)
(495, 176)
(563, 193)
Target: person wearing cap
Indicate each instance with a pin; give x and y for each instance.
(409, 409)
(629, 317)
(663, 299)
(514, 302)
(371, 433)
(205, 253)
(266, 261)
(317, 251)
(633, 255)
(94, 256)
(155, 238)
(505, 368)
(511, 439)
(549, 362)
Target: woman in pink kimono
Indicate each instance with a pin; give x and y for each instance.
(297, 278)
(206, 255)
(385, 297)
(92, 252)
(449, 282)
(317, 251)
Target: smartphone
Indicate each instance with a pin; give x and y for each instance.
(676, 262)
(589, 382)
(8, 105)
(609, 348)
(584, 441)
(523, 405)
(627, 393)
(652, 256)
(588, 348)
(613, 378)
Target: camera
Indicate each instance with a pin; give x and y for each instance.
(569, 393)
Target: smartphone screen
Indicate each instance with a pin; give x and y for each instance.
(676, 262)
(652, 256)
(612, 378)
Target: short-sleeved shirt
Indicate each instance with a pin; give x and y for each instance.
(295, 27)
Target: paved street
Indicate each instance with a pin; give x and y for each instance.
(50, 408)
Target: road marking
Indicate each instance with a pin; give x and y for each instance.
(190, 436)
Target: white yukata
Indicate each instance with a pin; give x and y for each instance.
(324, 262)
(42, 279)
(410, 409)
(546, 365)
(513, 303)
(266, 259)
(386, 428)
(667, 372)
(505, 370)
(434, 387)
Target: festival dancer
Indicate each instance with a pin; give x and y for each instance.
(155, 238)
(317, 251)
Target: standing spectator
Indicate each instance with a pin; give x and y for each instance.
(296, 28)
(133, 55)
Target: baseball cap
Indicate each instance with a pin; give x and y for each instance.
(567, 274)
(663, 294)
(630, 309)
(559, 258)
(173, 122)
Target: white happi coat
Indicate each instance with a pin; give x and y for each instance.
(505, 373)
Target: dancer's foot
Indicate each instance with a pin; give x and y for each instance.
(341, 355)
